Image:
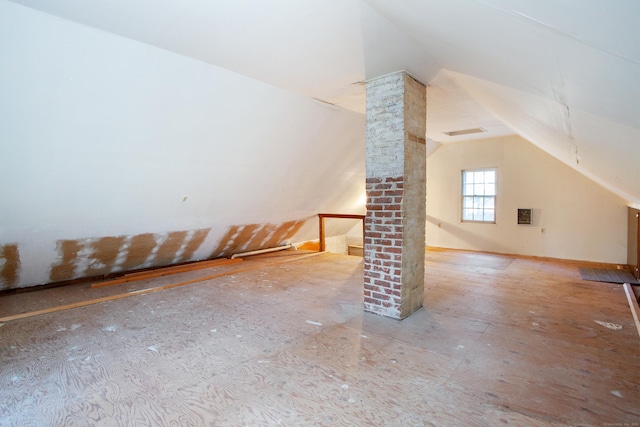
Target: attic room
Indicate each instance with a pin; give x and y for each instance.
(163, 255)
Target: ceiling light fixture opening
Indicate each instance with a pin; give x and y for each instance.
(464, 132)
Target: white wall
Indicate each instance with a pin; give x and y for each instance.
(574, 218)
(104, 136)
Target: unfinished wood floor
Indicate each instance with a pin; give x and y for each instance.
(500, 341)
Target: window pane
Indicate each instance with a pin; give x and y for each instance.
(489, 215)
(468, 177)
(490, 189)
(478, 189)
(489, 203)
(467, 202)
(468, 190)
(467, 214)
(490, 177)
(477, 214)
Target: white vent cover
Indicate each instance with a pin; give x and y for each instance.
(464, 131)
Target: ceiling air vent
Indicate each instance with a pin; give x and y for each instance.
(464, 132)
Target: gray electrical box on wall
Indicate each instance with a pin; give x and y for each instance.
(525, 216)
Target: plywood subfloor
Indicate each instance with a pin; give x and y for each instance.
(500, 341)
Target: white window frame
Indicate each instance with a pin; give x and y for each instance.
(479, 198)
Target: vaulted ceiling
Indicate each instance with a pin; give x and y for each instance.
(564, 74)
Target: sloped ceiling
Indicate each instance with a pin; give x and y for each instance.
(561, 73)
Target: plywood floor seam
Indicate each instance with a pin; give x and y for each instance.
(500, 341)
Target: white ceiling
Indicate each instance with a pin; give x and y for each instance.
(564, 74)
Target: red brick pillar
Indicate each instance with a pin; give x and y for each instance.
(396, 190)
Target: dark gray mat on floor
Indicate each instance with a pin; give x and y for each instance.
(607, 275)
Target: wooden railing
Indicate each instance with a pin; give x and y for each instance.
(321, 218)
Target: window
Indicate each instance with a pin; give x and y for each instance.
(479, 195)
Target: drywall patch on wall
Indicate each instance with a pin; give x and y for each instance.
(103, 255)
(234, 239)
(66, 266)
(171, 246)
(192, 244)
(240, 238)
(9, 265)
(138, 249)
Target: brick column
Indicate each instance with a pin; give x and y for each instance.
(396, 190)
